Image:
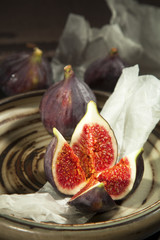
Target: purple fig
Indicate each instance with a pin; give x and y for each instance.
(104, 73)
(23, 72)
(64, 103)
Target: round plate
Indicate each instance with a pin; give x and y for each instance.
(23, 140)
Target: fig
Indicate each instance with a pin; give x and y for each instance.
(124, 177)
(94, 142)
(93, 198)
(118, 181)
(92, 149)
(24, 71)
(62, 166)
(103, 73)
(64, 103)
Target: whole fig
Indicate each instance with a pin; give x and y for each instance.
(64, 103)
(24, 71)
(104, 73)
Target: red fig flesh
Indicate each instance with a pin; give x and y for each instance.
(94, 142)
(64, 103)
(124, 177)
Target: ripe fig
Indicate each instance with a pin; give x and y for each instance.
(93, 148)
(124, 177)
(64, 103)
(22, 72)
(104, 73)
(93, 198)
(62, 166)
(118, 182)
(94, 142)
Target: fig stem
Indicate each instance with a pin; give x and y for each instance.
(114, 51)
(68, 71)
(37, 55)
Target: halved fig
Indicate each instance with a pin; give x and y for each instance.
(94, 142)
(93, 198)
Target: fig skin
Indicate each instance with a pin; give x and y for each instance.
(64, 103)
(95, 200)
(48, 161)
(103, 73)
(25, 71)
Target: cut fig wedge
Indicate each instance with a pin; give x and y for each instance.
(94, 142)
(123, 178)
(93, 198)
(62, 166)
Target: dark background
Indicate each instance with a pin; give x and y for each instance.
(42, 21)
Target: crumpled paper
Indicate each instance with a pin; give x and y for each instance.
(80, 45)
(137, 40)
(140, 22)
(133, 109)
(46, 205)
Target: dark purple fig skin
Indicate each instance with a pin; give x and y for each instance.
(95, 200)
(18, 71)
(64, 104)
(48, 161)
(139, 172)
(104, 73)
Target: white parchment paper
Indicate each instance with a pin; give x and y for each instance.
(133, 109)
(46, 205)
